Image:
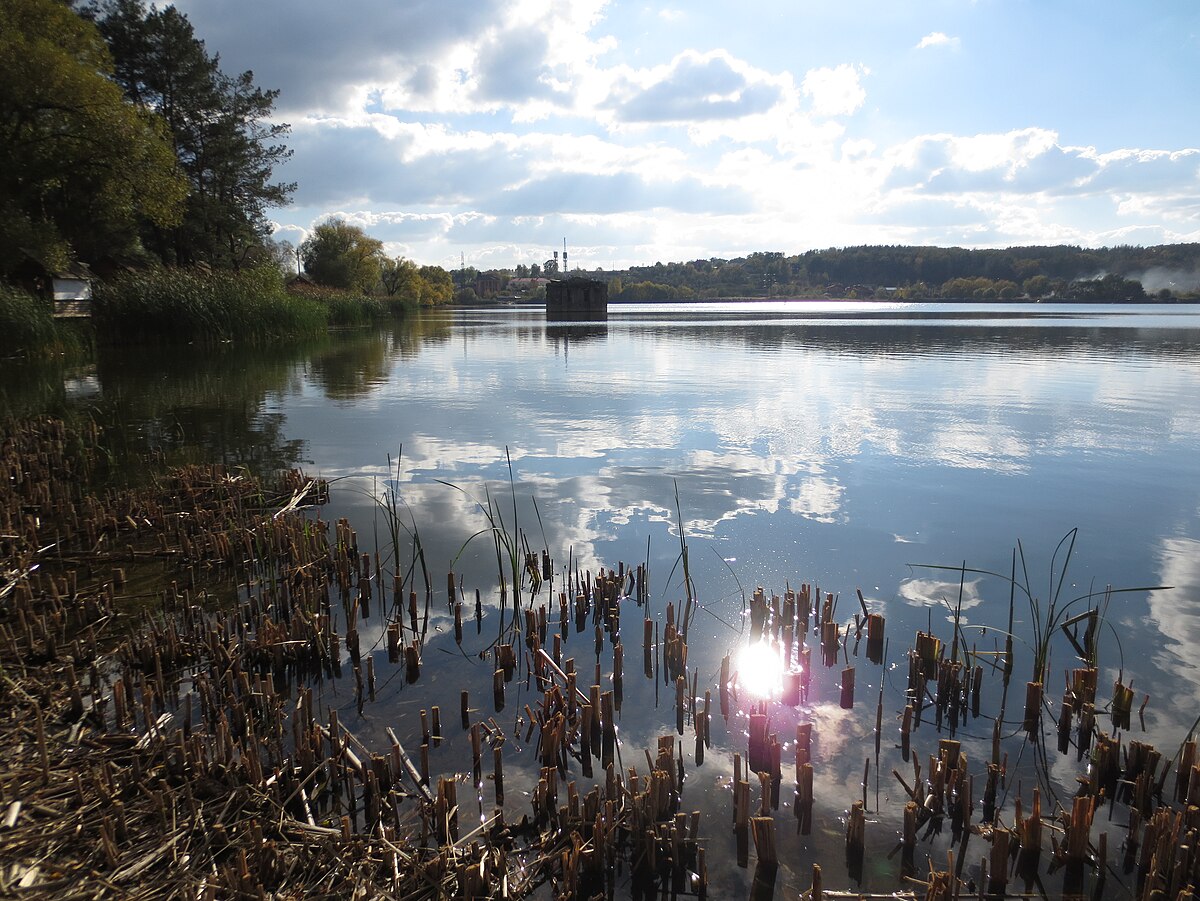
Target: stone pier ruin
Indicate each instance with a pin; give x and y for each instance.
(576, 299)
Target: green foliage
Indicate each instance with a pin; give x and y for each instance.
(438, 286)
(26, 321)
(219, 126)
(1111, 287)
(400, 278)
(79, 166)
(193, 306)
(649, 292)
(415, 285)
(341, 255)
(979, 289)
(355, 309)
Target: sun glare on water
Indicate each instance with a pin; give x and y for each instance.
(759, 670)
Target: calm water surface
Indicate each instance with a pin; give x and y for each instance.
(842, 444)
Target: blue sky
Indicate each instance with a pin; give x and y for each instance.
(644, 132)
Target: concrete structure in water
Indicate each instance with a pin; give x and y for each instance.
(576, 299)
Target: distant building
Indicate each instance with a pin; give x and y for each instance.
(487, 285)
(69, 289)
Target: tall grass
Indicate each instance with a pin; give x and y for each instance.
(177, 305)
(1052, 616)
(30, 330)
(27, 322)
(250, 306)
(355, 309)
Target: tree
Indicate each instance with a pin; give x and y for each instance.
(281, 254)
(399, 277)
(1037, 286)
(79, 166)
(219, 126)
(465, 276)
(439, 286)
(342, 255)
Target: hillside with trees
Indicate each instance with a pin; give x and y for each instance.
(1063, 273)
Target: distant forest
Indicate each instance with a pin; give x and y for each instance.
(1165, 273)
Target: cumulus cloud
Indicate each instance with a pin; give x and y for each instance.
(1148, 170)
(693, 87)
(937, 39)
(346, 164)
(835, 91)
(1030, 162)
(941, 593)
(322, 52)
(501, 121)
(511, 67)
(1025, 159)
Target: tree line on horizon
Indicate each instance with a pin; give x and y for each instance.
(1165, 273)
(1124, 273)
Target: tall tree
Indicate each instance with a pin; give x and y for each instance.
(220, 127)
(400, 278)
(342, 255)
(439, 286)
(79, 166)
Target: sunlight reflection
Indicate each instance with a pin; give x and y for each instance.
(759, 670)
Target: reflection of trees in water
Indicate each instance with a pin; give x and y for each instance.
(210, 404)
(32, 388)
(202, 405)
(423, 327)
(352, 368)
(354, 363)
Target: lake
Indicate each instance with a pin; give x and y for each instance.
(850, 446)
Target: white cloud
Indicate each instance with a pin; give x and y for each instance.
(835, 91)
(505, 121)
(818, 499)
(937, 39)
(943, 593)
(694, 87)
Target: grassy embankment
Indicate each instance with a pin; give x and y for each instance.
(187, 306)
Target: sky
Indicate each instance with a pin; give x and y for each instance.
(490, 131)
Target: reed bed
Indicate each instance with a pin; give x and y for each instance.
(30, 330)
(250, 306)
(178, 752)
(172, 741)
